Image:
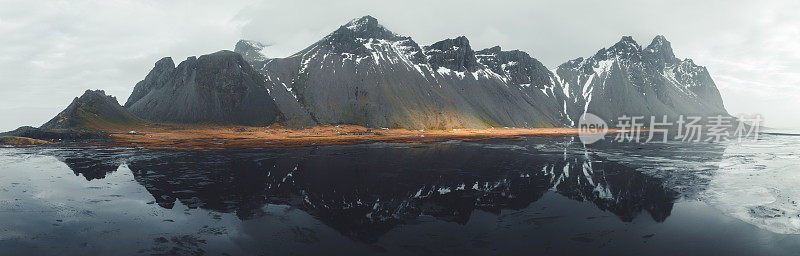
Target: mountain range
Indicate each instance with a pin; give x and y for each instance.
(364, 74)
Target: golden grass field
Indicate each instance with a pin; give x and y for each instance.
(210, 137)
(22, 141)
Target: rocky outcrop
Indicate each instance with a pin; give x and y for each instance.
(519, 67)
(454, 54)
(94, 110)
(217, 88)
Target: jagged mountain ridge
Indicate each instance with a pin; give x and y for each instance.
(364, 74)
(216, 88)
(626, 79)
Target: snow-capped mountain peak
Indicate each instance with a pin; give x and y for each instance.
(454, 54)
(517, 66)
(626, 48)
(660, 50)
(364, 38)
(366, 27)
(626, 79)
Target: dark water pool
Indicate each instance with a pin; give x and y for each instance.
(537, 196)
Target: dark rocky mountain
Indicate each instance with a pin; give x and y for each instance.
(364, 74)
(92, 110)
(216, 88)
(628, 79)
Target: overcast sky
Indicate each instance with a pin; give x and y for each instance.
(51, 51)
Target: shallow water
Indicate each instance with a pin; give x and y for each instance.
(497, 197)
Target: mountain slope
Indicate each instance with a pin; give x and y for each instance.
(92, 110)
(216, 88)
(521, 71)
(626, 79)
(364, 74)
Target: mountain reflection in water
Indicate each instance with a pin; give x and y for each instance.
(365, 191)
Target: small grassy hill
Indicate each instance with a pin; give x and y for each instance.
(94, 110)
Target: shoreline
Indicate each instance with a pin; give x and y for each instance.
(241, 137)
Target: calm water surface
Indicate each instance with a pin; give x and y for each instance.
(545, 196)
